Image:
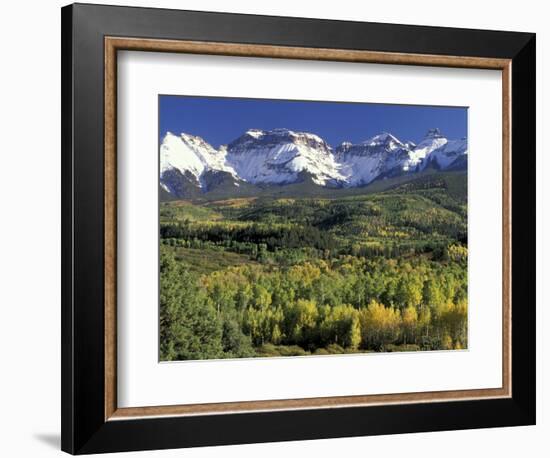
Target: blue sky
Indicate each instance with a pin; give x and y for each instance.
(220, 120)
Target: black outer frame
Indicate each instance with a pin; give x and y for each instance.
(84, 429)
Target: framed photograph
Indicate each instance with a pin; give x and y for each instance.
(281, 228)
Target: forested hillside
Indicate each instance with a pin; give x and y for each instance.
(294, 272)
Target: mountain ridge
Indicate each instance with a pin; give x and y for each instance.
(190, 166)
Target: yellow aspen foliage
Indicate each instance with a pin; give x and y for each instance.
(447, 342)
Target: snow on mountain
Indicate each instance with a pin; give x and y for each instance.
(282, 156)
(444, 156)
(377, 156)
(431, 142)
(191, 156)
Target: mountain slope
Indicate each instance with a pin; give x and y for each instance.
(381, 155)
(280, 155)
(189, 166)
(184, 162)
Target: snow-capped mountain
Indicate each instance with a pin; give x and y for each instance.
(190, 166)
(278, 156)
(381, 156)
(188, 153)
(431, 142)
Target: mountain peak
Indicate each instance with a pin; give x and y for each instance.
(434, 133)
(256, 133)
(277, 136)
(384, 138)
(287, 133)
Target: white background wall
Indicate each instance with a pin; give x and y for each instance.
(30, 227)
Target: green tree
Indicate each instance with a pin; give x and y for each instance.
(431, 293)
(189, 326)
(409, 292)
(301, 321)
(235, 343)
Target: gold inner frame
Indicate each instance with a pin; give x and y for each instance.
(114, 44)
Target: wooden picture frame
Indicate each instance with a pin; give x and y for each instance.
(91, 419)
